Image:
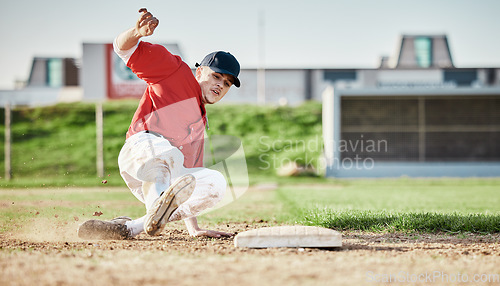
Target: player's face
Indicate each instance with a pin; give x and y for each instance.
(213, 85)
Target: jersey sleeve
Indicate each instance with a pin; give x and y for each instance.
(152, 62)
(124, 54)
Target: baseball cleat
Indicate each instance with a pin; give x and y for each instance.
(167, 203)
(97, 229)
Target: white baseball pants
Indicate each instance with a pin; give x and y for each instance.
(148, 163)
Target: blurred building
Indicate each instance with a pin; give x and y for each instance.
(416, 115)
(51, 80)
(53, 72)
(104, 76)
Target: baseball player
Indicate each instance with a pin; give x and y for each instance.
(162, 158)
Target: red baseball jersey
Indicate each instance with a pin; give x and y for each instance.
(171, 104)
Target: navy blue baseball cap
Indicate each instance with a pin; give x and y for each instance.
(222, 62)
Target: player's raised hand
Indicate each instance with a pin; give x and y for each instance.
(146, 24)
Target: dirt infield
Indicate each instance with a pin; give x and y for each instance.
(55, 256)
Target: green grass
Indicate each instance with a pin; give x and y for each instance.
(387, 221)
(398, 205)
(426, 205)
(56, 145)
(448, 195)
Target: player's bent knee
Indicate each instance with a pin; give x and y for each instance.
(154, 170)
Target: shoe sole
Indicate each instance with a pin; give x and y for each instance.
(102, 230)
(167, 203)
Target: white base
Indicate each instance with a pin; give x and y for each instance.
(289, 236)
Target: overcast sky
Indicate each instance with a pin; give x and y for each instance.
(301, 34)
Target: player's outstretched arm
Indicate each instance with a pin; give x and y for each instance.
(195, 230)
(145, 26)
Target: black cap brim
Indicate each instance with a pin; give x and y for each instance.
(236, 80)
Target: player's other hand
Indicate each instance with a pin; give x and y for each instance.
(210, 233)
(146, 24)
